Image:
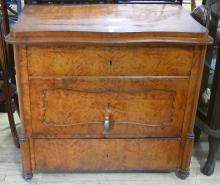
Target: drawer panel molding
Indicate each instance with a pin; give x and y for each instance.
(152, 108)
(139, 108)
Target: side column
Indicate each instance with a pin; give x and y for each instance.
(25, 155)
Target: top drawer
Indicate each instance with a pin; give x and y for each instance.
(110, 61)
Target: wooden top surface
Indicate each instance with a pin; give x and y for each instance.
(145, 22)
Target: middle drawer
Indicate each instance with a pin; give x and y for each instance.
(110, 61)
(108, 107)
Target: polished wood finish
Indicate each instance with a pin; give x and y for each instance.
(116, 82)
(108, 25)
(140, 107)
(107, 18)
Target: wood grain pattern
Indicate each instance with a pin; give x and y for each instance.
(108, 25)
(27, 155)
(158, 104)
(193, 95)
(153, 108)
(109, 61)
(75, 61)
(115, 18)
(107, 155)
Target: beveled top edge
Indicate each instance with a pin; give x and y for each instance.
(111, 41)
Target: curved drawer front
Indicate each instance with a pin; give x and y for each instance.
(108, 108)
(110, 61)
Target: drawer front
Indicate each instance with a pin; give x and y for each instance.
(106, 154)
(110, 61)
(108, 107)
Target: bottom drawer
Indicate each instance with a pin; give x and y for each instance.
(106, 154)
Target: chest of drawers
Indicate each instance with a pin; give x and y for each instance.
(107, 87)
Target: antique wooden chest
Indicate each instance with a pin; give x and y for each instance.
(107, 87)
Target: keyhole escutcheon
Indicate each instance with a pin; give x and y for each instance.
(110, 62)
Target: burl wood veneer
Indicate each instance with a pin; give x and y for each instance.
(107, 87)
